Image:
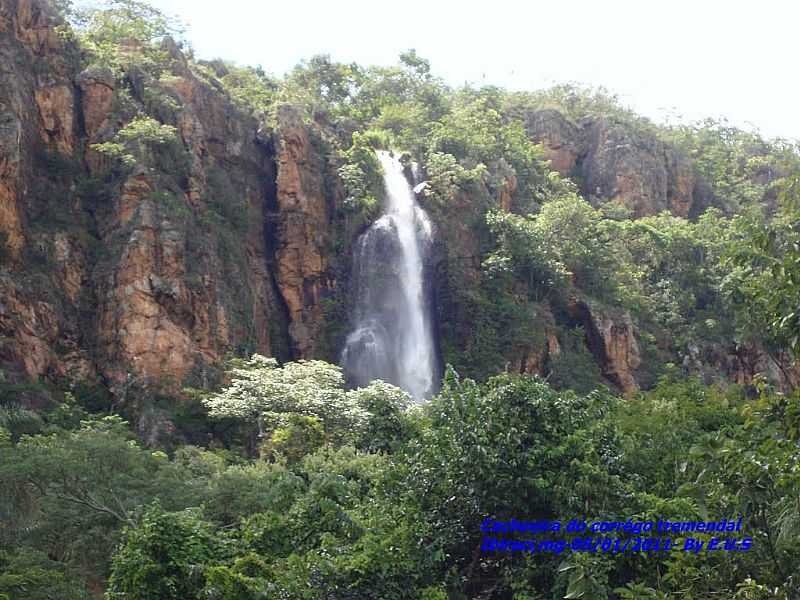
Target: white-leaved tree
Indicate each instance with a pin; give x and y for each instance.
(262, 390)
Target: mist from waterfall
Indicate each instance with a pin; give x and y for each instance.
(392, 337)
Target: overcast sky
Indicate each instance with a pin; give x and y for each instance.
(689, 58)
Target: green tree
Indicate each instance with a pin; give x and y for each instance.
(131, 143)
(69, 492)
(740, 166)
(251, 88)
(766, 275)
(164, 556)
(300, 436)
(262, 390)
(120, 33)
(513, 447)
(27, 574)
(388, 425)
(566, 244)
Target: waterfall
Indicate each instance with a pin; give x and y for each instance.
(392, 336)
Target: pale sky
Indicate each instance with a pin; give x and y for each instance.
(693, 58)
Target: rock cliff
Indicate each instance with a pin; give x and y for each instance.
(210, 245)
(613, 162)
(229, 239)
(303, 231)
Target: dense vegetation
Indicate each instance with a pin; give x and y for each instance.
(352, 494)
(281, 483)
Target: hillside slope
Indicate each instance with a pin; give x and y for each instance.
(154, 223)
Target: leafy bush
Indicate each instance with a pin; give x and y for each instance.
(362, 175)
(162, 558)
(300, 436)
(130, 143)
(122, 33)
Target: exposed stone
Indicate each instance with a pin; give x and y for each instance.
(616, 163)
(681, 185)
(158, 312)
(10, 220)
(746, 364)
(71, 265)
(633, 171)
(136, 188)
(33, 23)
(151, 323)
(505, 194)
(553, 347)
(28, 329)
(560, 139)
(56, 113)
(11, 135)
(131, 289)
(97, 96)
(612, 341)
(535, 361)
(302, 231)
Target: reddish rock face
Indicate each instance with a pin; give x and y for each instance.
(31, 22)
(71, 265)
(638, 172)
(534, 362)
(612, 341)
(615, 164)
(36, 110)
(506, 192)
(56, 114)
(32, 329)
(165, 311)
(682, 184)
(302, 231)
(560, 139)
(10, 220)
(97, 97)
(135, 325)
(748, 364)
(222, 242)
(161, 302)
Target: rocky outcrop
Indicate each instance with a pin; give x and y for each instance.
(97, 86)
(636, 171)
(29, 329)
(743, 364)
(506, 185)
(303, 229)
(617, 163)
(41, 270)
(18, 21)
(561, 140)
(12, 237)
(146, 276)
(227, 239)
(174, 303)
(611, 339)
(535, 361)
(32, 23)
(136, 326)
(55, 104)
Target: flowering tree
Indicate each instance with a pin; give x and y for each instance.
(271, 394)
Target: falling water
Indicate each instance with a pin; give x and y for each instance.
(392, 338)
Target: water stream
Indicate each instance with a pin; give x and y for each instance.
(392, 337)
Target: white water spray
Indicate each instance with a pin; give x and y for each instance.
(392, 337)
